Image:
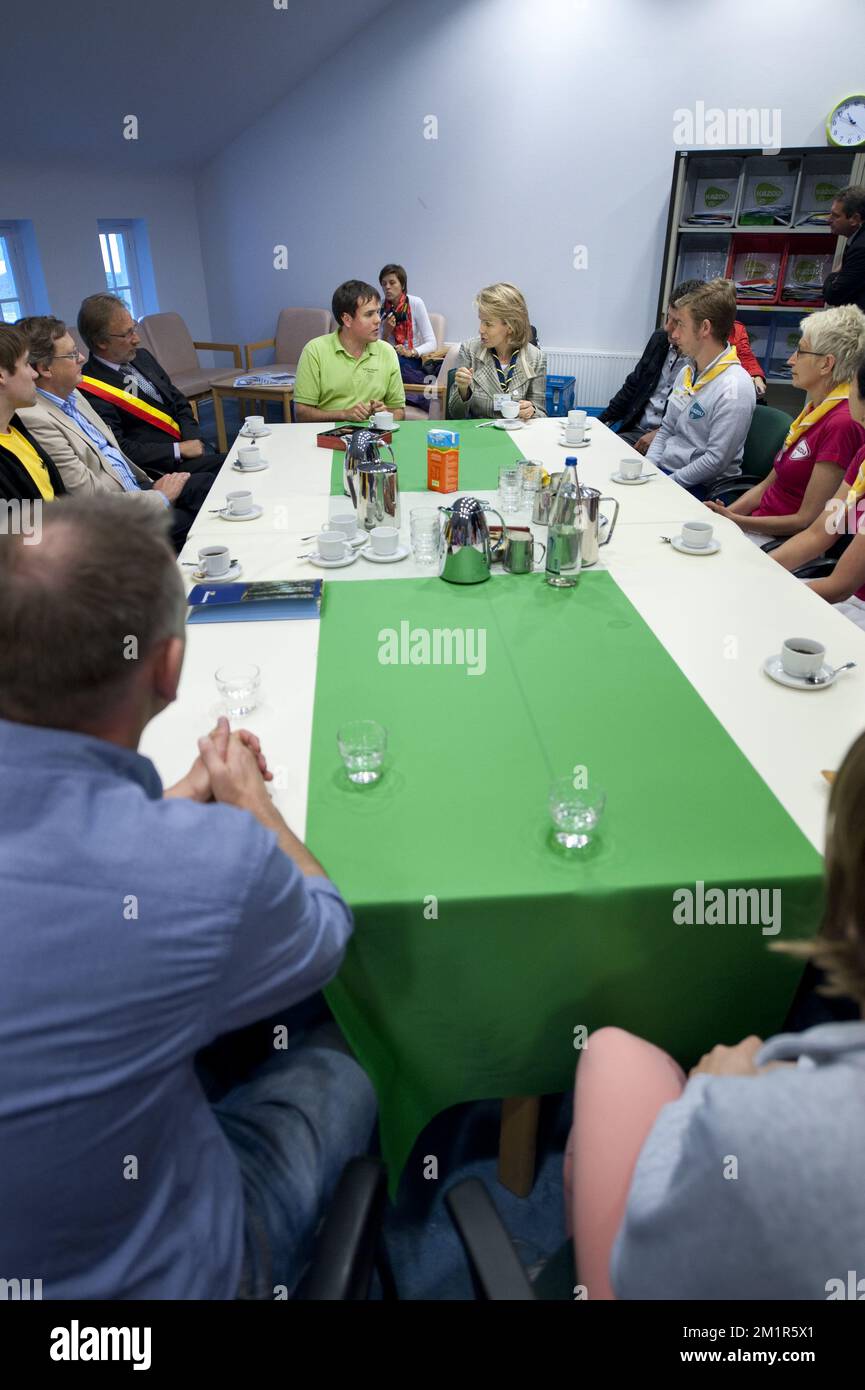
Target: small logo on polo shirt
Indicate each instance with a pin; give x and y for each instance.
(696, 412)
(801, 450)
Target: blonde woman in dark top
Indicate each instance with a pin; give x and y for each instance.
(501, 361)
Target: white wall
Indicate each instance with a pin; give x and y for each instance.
(555, 129)
(64, 203)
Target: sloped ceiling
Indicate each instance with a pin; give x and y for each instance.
(194, 73)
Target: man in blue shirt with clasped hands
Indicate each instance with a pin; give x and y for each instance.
(138, 924)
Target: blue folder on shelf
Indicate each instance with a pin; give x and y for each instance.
(260, 602)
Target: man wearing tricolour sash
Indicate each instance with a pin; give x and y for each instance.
(152, 421)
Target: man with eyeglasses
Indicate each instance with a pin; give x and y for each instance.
(80, 444)
(151, 420)
(847, 218)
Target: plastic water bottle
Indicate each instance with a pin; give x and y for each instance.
(564, 538)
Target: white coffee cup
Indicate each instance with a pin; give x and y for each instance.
(384, 539)
(254, 424)
(574, 434)
(239, 503)
(696, 535)
(346, 522)
(248, 458)
(510, 409)
(383, 419)
(214, 560)
(800, 656)
(331, 545)
(630, 468)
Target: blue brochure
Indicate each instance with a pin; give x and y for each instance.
(261, 602)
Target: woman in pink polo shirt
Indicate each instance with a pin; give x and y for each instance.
(845, 586)
(821, 440)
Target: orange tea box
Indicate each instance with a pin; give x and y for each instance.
(442, 460)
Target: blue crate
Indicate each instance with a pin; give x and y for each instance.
(560, 394)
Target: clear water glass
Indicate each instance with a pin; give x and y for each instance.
(510, 491)
(238, 684)
(426, 535)
(575, 812)
(530, 480)
(362, 746)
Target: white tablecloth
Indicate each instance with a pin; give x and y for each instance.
(718, 616)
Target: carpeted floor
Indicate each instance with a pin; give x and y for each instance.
(424, 1249)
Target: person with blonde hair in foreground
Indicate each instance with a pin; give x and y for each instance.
(654, 1205)
(501, 361)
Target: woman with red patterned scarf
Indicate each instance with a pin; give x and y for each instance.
(406, 324)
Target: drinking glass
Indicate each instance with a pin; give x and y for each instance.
(530, 481)
(362, 745)
(238, 684)
(426, 535)
(509, 487)
(575, 812)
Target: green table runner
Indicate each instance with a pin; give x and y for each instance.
(479, 950)
(482, 453)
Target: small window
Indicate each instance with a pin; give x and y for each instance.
(14, 285)
(120, 262)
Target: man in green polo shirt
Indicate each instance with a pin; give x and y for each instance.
(349, 374)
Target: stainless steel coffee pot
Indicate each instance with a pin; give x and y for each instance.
(467, 551)
(592, 523)
(377, 486)
(362, 447)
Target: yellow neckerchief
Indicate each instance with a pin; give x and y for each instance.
(857, 487)
(809, 415)
(728, 359)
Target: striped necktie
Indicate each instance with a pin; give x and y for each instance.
(118, 462)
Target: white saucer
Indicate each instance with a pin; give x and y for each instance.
(509, 424)
(774, 668)
(711, 549)
(259, 434)
(399, 554)
(390, 429)
(563, 444)
(253, 512)
(255, 468)
(228, 578)
(632, 482)
(323, 564)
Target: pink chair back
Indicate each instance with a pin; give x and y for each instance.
(439, 323)
(170, 341)
(294, 330)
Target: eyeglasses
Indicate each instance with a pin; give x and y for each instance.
(806, 352)
(130, 333)
(75, 356)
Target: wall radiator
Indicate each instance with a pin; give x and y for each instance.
(599, 374)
